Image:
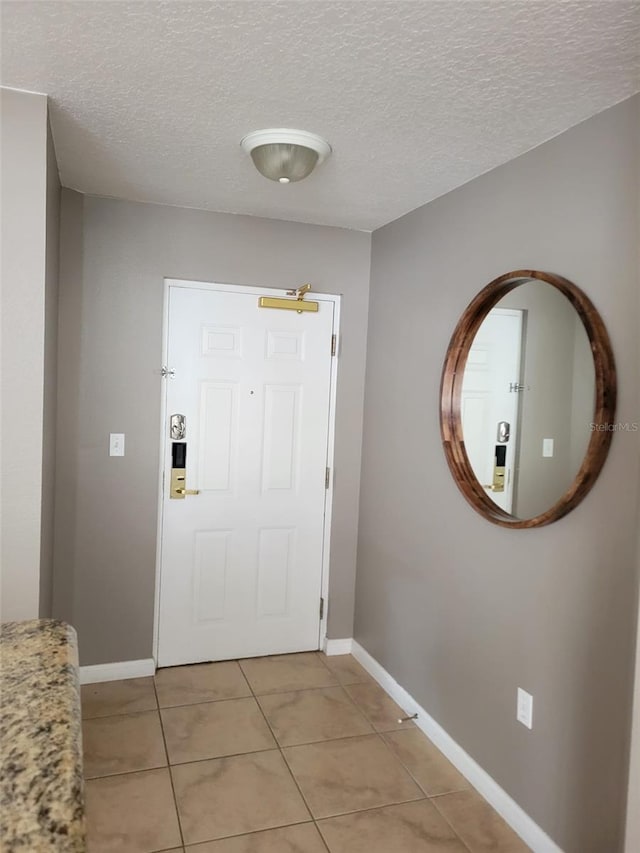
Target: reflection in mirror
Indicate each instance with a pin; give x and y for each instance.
(527, 400)
(530, 453)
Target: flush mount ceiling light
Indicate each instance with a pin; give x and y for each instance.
(285, 155)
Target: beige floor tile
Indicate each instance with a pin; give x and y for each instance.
(381, 711)
(202, 682)
(133, 813)
(282, 673)
(306, 716)
(214, 729)
(303, 838)
(478, 825)
(121, 744)
(432, 771)
(118, 697)
(346, 669)
(407, 828)
(231, 796)
(339, 776)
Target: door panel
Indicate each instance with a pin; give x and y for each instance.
(241, 565)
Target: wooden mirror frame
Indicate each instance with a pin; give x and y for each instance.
(451, 391)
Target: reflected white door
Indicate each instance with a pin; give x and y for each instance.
(241, 562)
(489, 396)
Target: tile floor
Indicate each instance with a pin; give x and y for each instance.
(290, 754)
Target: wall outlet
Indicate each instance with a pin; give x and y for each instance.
(547, 447)
(524, 709)
(116, 444)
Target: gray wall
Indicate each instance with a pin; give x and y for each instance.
(462, 612)
(114, 257)
(632, 836)
(29, 269)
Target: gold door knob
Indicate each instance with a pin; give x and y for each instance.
(187, 491)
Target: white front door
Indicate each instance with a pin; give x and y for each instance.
(241, 561)
(490, 396)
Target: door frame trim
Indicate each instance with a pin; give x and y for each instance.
(168, 283)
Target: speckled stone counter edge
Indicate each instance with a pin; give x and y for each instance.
(41, 786)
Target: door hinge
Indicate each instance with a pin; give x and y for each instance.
(166, 371)
(321, 608)
(334, 344)
(327, 477)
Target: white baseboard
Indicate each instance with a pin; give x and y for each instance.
(515, 816)
(117, 671)
(337, 647)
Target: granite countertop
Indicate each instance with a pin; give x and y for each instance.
(41, 789)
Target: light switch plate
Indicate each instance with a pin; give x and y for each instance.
(547, 447)
(524, 709)
(116, 444)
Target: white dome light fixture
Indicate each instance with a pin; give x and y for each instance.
(285, 155)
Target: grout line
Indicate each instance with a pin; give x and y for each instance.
(173, 790)
(323, 657)
(445, 818)
(409, 770)
(246, 835)
(220, 757)
(323, 740)
(125, 714)
(401, 763)
(250, 695)
(397, 728)
(169, 765)
(205, 702)
(286, 764)
(253, 693)
(446, 793)
(126, 773)
(376, 808)
(361, 710)
(279, 692)
(279, 748)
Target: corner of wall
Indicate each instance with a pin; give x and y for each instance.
(52, 251)
(67, 391)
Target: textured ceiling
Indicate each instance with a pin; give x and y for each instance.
(149, 100)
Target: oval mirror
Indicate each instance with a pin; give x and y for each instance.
(527, 399)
